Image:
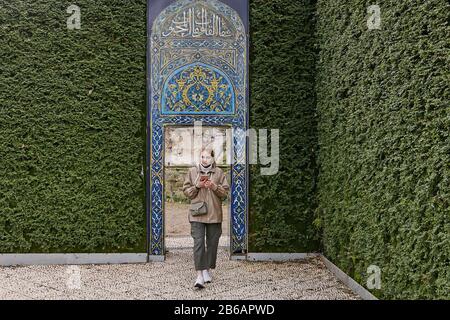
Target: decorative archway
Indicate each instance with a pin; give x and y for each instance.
(197, 71)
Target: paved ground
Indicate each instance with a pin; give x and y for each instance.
(174, 279)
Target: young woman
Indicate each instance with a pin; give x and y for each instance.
(206, 185)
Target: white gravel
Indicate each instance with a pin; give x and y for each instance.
(174, 279)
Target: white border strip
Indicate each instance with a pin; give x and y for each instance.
(156, 258)
(279, 256)
(347, 280)
(12, 259)
(238, 257)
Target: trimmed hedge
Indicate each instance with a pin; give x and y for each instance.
(282, 69)
(72, 122)
(72, 127)
(384, 184)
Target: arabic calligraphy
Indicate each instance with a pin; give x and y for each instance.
(198, 22)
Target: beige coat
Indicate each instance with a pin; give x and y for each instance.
(213, 198)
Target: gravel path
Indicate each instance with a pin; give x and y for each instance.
(174, 279)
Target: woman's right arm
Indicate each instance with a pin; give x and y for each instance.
(190, 190)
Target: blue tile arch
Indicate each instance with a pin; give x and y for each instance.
(218, 50)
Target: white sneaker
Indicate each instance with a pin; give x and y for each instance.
(206, 276)
(199, 283)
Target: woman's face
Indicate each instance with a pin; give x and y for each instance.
(206, 158)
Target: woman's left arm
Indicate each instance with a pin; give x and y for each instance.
(222, 188)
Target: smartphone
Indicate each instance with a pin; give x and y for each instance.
(204, 178)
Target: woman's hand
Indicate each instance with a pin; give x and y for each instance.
(201, 184)
(211, 185)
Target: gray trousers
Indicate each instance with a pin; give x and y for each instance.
(205, 257)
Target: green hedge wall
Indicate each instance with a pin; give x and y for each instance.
(282, 69)
(384, 183)
(72, 127)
